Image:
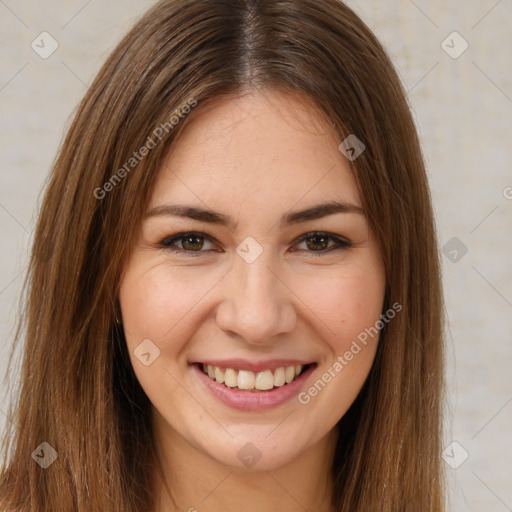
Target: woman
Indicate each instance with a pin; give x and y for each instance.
(234, 298)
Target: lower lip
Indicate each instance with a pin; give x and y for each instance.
(254, 401)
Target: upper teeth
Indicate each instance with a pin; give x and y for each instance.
(246, 379)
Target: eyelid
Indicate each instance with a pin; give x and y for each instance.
(340, 242)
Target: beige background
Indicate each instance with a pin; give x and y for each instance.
(463, 110)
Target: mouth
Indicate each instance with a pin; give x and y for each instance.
(238, 386)
(254, 382)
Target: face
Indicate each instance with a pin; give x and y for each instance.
(241, 273)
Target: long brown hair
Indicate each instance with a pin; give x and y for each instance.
(77, 390)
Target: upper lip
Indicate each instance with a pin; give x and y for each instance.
(254, 366)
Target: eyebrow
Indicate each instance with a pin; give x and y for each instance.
(212, 217)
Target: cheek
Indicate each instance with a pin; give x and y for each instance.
(346, 312)
(155, 301)
(344, 305)
(156, 305)
(357, 310)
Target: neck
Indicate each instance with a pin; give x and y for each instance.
(199, 483)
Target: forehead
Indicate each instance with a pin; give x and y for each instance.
(272, 148)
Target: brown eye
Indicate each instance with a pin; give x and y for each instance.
(192, 242)
(186, 243)
(319, 243)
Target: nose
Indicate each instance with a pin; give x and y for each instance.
(257, 304)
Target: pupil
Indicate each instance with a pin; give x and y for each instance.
(316, 238)
(192, 237)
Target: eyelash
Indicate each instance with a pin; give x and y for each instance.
(168, 242)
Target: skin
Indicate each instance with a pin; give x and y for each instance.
(255, 158)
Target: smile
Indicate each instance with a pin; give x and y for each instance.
(247, 380)
(253, 389)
